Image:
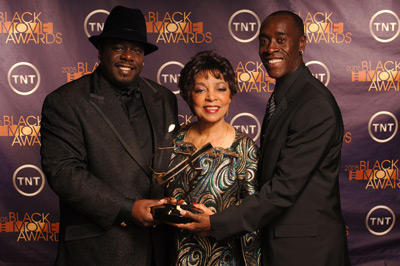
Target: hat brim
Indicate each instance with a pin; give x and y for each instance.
(148, 47)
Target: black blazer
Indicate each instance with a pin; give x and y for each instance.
(298, 207)
(93, 163)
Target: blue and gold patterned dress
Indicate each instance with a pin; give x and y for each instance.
(226, 177)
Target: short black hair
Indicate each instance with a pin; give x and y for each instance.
(206, 62)
(298, 21)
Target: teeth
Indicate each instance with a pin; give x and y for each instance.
(211, 108)
(272, 61)
(125, 68)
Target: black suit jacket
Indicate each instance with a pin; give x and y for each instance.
(298, 207)
(93, 163)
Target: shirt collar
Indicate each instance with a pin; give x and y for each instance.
(283, 86)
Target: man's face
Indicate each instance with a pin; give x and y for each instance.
(280, 46)
(121, 61)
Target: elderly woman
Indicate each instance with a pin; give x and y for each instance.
(221, 177)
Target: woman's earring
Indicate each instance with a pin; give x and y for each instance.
(301, 52)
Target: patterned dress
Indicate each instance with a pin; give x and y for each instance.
(221, 178)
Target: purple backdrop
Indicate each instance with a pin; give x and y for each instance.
(353, 47)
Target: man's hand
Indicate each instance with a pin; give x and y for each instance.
(201, 225)
(202, 209)
(141, 211)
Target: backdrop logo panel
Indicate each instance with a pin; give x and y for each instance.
(168, 75)
(320, 27)
(347, 137)
(248, 124)
(320, 71)
(78, 70)
(244, 25)
(185, 119)
(378, 175)
(23, 78)
(27, 28)
(380, 220)
(94, 22)
(384, 26)
(29, 180)
(382, 76)
(253, 78)
(25, 131)
(30, 227)
(383, 126)
(177, 27)
(364, 61)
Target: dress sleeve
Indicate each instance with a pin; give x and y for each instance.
(247, 167)
(250, 242)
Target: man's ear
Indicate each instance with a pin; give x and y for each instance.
(302, 43)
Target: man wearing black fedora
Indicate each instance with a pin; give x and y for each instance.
(98, 134)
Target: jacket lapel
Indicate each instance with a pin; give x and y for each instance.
(154, 105)
(296, 88)
(106, 103)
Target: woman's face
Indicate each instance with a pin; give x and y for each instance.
(210, 98)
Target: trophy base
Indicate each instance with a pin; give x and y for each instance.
(170, 214)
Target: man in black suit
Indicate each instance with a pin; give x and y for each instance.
(298, 207)
(98, 135)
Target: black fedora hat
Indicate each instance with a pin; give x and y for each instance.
(127, 24)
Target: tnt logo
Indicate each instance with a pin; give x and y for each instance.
(28, 180)
(380, 220)
(244, 25)
(94, 22)
(23, 78)
(383, 126)
(248, 124)
(320, 71)
(168, 75)
(384, 26)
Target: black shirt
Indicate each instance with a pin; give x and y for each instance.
(132, 102)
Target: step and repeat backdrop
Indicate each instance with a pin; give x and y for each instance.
(353, 47)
